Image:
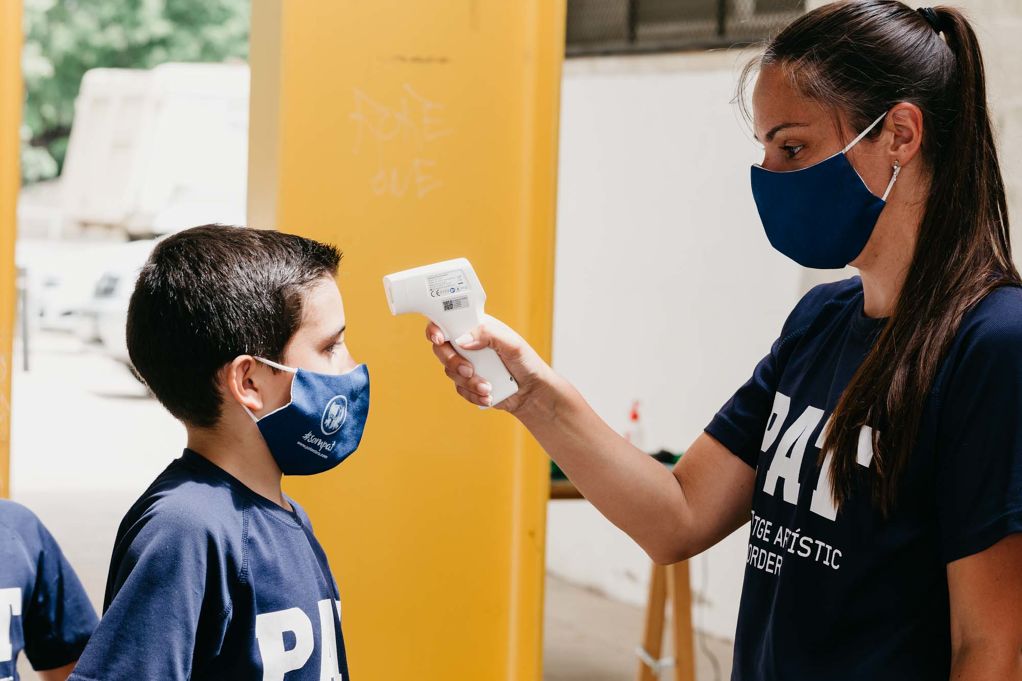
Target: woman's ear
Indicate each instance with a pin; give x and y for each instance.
(905, 121)
(241, 380)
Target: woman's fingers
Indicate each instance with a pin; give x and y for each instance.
(491, 334)
(445, 353)
(476, 384)
(457, 368)
(474, 398)
(434, 335)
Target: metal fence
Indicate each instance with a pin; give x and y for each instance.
(627, 26)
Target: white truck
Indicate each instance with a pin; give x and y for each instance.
(155, 151)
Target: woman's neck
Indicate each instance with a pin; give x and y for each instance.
(885, 262)
(881, 290)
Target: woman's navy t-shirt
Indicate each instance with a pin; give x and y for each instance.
(210, 581)
(43, 608)
(851, 595)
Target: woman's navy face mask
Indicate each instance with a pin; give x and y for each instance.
(821, 216)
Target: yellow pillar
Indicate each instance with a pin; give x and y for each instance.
(408, 133)
(10, 181)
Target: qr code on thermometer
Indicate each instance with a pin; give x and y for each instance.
(455, 304)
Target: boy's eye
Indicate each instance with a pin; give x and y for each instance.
(792, 149)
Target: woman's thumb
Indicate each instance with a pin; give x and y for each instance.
(491, 334)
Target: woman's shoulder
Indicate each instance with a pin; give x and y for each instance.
(994, 324)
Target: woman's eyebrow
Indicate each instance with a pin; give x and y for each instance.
(777, 128)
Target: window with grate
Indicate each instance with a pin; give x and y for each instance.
(624, 26)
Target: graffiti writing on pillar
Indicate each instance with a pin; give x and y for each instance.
(401, 138)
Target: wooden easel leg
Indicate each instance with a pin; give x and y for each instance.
(681, 621)
(652, 640)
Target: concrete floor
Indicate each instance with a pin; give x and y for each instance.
(82, 488)
(589, 637)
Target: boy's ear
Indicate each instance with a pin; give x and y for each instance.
(241, 380)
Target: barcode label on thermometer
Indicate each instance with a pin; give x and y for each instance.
(447, 284)
(456, 303)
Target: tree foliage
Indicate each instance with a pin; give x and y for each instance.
(66, 38)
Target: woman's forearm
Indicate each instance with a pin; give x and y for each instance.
(634, 491)
(979, 662)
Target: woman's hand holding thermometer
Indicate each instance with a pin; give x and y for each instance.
(488, 362)
(530, 372)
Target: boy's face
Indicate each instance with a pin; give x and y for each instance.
(318, 344)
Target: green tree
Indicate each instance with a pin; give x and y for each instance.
(66, 38)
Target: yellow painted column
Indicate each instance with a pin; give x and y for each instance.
(408, 133)
(10, 181)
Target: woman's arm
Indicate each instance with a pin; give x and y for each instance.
(672, 517)
(986, 613)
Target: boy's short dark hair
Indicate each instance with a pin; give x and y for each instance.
(209, 294)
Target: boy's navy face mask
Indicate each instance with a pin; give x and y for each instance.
(322, 424)
(820, 216)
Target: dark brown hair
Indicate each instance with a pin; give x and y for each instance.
(209, 294)
(860, 58)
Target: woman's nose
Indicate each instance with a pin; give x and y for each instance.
(767, 163)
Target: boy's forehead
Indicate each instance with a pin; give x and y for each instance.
(322, 306)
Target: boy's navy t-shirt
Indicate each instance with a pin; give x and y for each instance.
(850, 595)
(43, 607)
(210, 580)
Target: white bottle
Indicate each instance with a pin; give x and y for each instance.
(634, 432)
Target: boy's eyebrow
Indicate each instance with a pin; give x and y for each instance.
(777, 128)
(338, 334)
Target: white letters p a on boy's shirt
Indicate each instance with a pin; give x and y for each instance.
(237, 588)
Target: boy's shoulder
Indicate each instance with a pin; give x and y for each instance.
(19, 523)
(16, 517)
(188, 500)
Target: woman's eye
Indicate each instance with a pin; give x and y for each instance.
(792, 149)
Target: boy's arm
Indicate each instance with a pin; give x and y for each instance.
(167, 603)
(58, 618)
(59, 674)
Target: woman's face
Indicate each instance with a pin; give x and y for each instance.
(797, 132)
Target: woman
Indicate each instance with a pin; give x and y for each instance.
(878, 447)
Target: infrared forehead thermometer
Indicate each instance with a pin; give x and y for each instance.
(450, 295)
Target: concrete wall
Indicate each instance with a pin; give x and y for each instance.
(667, 291)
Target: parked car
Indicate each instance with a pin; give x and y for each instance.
(108, 306)
(59, 281)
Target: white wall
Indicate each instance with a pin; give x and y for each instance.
(667, 290)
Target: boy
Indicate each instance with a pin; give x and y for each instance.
(43, 607)
(215, 572)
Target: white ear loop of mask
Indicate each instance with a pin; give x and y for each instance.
(894, 178)
(864, 133)
(897, 166)
(290, 370)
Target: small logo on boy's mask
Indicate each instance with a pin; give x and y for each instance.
(334, 415)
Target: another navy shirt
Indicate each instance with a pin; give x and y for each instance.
(210, 580)
(43, 607)
(850, 595)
